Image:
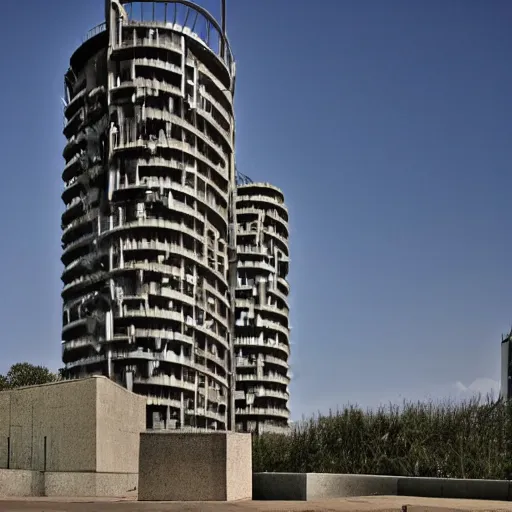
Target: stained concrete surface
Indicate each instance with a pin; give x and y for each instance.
(354, 504)
(195, 466)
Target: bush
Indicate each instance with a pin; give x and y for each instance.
(453, 440)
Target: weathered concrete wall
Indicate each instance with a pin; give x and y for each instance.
(317, 486)
(89, 484)
(50, 427)
(238, 467)
(325, 485)
(279, 486)
(121, 417)
(26, 483)
(21, 483)
(72, 426)
(195, 467)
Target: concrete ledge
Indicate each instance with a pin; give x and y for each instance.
(279, 486)
(325, 485)
(20, 483)
(318, 486)
(85, 485)
(454, 488)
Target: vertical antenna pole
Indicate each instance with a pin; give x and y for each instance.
(223, 26)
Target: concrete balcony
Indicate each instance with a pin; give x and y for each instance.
(277, 378)
(162, 247)
(220, 109)
(84, 219)
(213, 335)
(154, 224)
(254, 342)
(244, 362)
(221, 296)
(164, 334)
(272, 309)
(203, 70)
(169, 270)
(284, 283)
(74, 123)
(281, 238)
(167, 183)
(167, 402)
(80, 322)
(208, 413)
(72, 168)
(213, 122)
(163, 314)
(210, 356)
(275, 326)
(159, 64)
(165, 381)
(273, 290)
(255, 211)
(171, 144)
(263, 411)
(256, 264)
(264, 392)
(276, 360)
(83, 281)
(75, 103)
(264, 428)
(160, 41)
(278, 217)
(155, 113)
(272, 202)
(146, 83)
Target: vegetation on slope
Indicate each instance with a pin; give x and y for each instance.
(453, 440)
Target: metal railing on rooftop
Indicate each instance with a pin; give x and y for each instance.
(101, 27)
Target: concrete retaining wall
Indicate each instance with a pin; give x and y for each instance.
(279, 486)
(24, 483)
(317, 486)
(21, 483)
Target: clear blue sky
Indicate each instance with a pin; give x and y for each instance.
(389, 127)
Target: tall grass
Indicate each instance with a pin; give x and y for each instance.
(472, 439)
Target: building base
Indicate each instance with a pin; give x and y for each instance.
(25, 483)
(214, 466)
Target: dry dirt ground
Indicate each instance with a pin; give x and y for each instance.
(362, 504)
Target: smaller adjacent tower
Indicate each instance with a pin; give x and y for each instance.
(262, 332)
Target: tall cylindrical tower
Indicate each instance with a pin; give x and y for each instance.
(262, 344)
(149, 178)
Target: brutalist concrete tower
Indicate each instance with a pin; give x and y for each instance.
(262, 345)
(148, 233)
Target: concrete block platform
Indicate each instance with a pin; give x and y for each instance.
(213, 466)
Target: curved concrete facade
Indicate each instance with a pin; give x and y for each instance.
(149, 178)
(262, 344)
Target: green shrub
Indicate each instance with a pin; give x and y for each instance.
(454, 440)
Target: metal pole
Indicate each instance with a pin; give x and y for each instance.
(223, 26)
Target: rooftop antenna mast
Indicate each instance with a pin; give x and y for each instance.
(223, 26)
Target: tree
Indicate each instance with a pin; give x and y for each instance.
(3, 383)
(26, 374)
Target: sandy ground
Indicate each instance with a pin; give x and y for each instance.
(363, 504)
